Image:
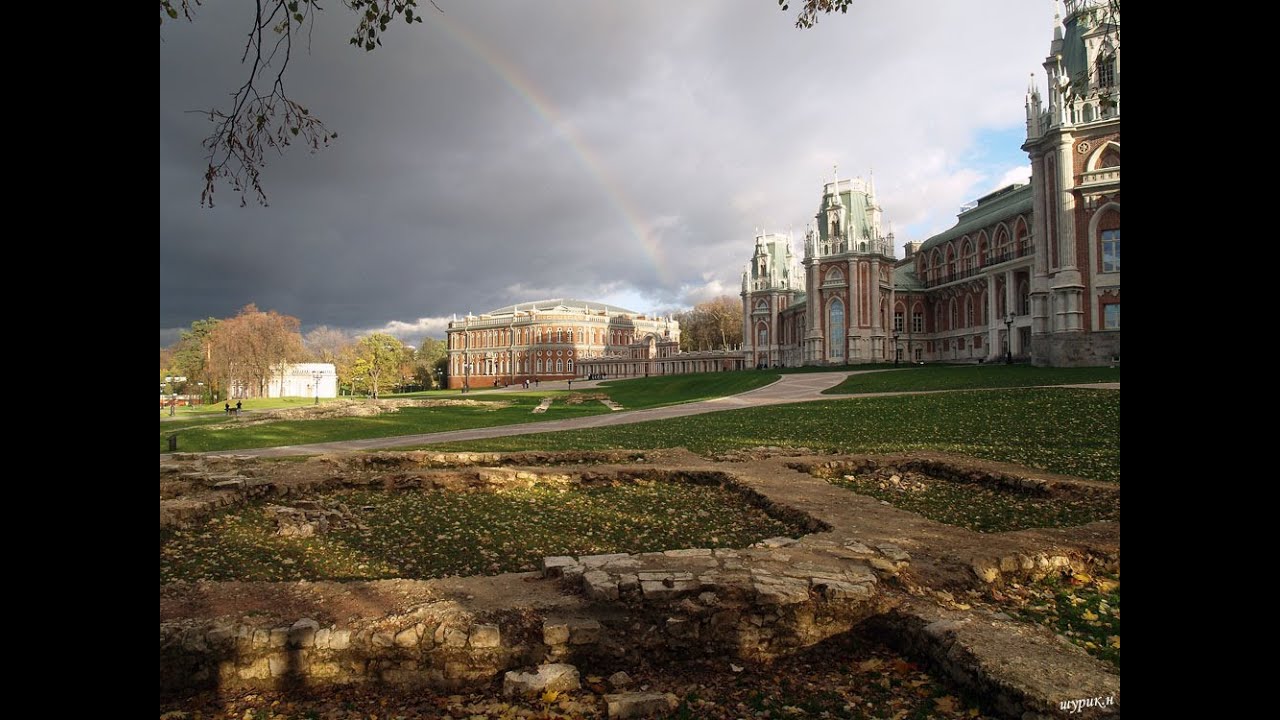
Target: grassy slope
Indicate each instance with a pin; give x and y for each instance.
(631, 394)
(1075, 432)
(952, 377)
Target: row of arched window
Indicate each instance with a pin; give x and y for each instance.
(963, 258)
(533, 335)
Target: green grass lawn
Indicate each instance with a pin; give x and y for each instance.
(408, 421)
(637, 393)
(632, 394)
(1070, 431)
(219, 408)
(426, 534)
(983, 508)
(964, 377)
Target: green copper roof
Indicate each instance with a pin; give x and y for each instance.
(1074, 59)
(904, 278)
(856, 204)
(1003, 204)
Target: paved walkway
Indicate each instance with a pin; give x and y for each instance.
(791, 388)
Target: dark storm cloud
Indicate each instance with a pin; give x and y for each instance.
(503, 151)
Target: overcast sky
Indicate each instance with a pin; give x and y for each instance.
(624, 152)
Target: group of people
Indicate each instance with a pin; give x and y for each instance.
(227, 407)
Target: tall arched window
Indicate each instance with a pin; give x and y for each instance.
(1106, 70)
(835, 327)
(968, 312)
(762, 335)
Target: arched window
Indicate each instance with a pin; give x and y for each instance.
(539, 365)
(569, 365)
(917, 319)
(835, 328)
(968, 312)
(559, 366)
(835, 277)
(1024, 298)
(953, 315)
(762, 335)
(966, 257)
(1106, 69)
(762, 306)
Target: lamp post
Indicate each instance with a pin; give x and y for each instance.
(897, 353)
(315, 378)
(1008, 339)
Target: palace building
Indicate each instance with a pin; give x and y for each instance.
(555, 340)
(1030, 272)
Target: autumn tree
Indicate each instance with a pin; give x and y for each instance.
(432, 355)
(262, 118)
(377, 359)
(712, 325)
(191, 354)
(251, 347)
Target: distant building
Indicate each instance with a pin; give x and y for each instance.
(293, 380)
(561, 339)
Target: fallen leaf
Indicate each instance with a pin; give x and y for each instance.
(946, 704)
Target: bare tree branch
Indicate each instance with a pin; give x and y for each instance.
(262, 117)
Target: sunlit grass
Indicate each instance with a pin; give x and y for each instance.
(953, 377)
(1071, 431)
(425, 534)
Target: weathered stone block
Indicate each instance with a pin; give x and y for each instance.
(279, 637)
(411, 636)
(555, 633)
(553, 567)
(636, 705)
(584, 632)
(339, 639)
(600, 585)
(220, 635)
(556, 677)
(383, 638)
(688, 553)
(259, 669)
(451, 636)
(598, 561)
(485, 636)
(303, 633)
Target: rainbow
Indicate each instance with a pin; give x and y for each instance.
(542, 107)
